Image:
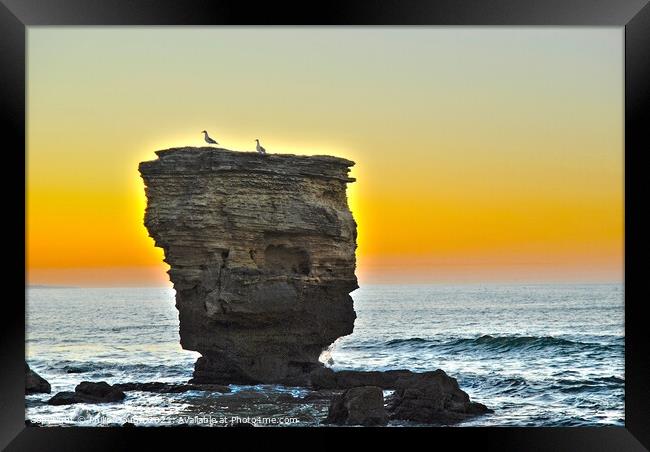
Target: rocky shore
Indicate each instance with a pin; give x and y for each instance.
(422, 398)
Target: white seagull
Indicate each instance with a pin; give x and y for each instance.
(207, 138)
(259, 148)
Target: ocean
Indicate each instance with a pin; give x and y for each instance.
(537, 354)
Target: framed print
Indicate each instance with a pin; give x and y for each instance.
(368, 217)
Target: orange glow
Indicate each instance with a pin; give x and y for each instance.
(504, 164)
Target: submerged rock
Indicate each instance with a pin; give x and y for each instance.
(262, 257)
(34, 383)
(358, 406)
(88, 392)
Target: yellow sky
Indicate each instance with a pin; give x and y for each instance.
(483, 154)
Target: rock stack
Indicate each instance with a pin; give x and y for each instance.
(261, 250)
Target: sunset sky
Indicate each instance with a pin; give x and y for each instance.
(482, 154)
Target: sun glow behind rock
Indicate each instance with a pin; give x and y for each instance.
(480, 154)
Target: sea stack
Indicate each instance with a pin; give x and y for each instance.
(261, 250)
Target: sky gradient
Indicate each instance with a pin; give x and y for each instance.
(483, 154)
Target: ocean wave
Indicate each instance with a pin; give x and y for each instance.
(588, 384)
(515, 342)
(582, 390)
(498, 343)
(98, 369)
(411, 340)
(508, 386)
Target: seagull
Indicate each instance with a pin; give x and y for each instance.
(259, 148)
(207, 138)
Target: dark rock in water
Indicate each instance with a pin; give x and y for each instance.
(428, 397)
(128, 424)
(325, 378)
(386, 379)
(101, 391)
(34, 383)
(29, 423)
(160, 387)
(262, 257)
(431, 397)
(65, 398)
(89, 392)
(358, 406)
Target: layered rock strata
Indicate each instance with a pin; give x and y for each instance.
(261, 250)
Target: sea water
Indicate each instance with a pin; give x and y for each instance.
(538, 355)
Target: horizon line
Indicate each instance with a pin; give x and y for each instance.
(390, 283)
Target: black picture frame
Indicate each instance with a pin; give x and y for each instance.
(633, 15)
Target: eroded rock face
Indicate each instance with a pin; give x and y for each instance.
(262, 257)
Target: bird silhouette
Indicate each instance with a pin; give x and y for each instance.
(259, 148)
(207, 138)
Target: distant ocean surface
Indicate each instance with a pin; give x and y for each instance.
(539, 355)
